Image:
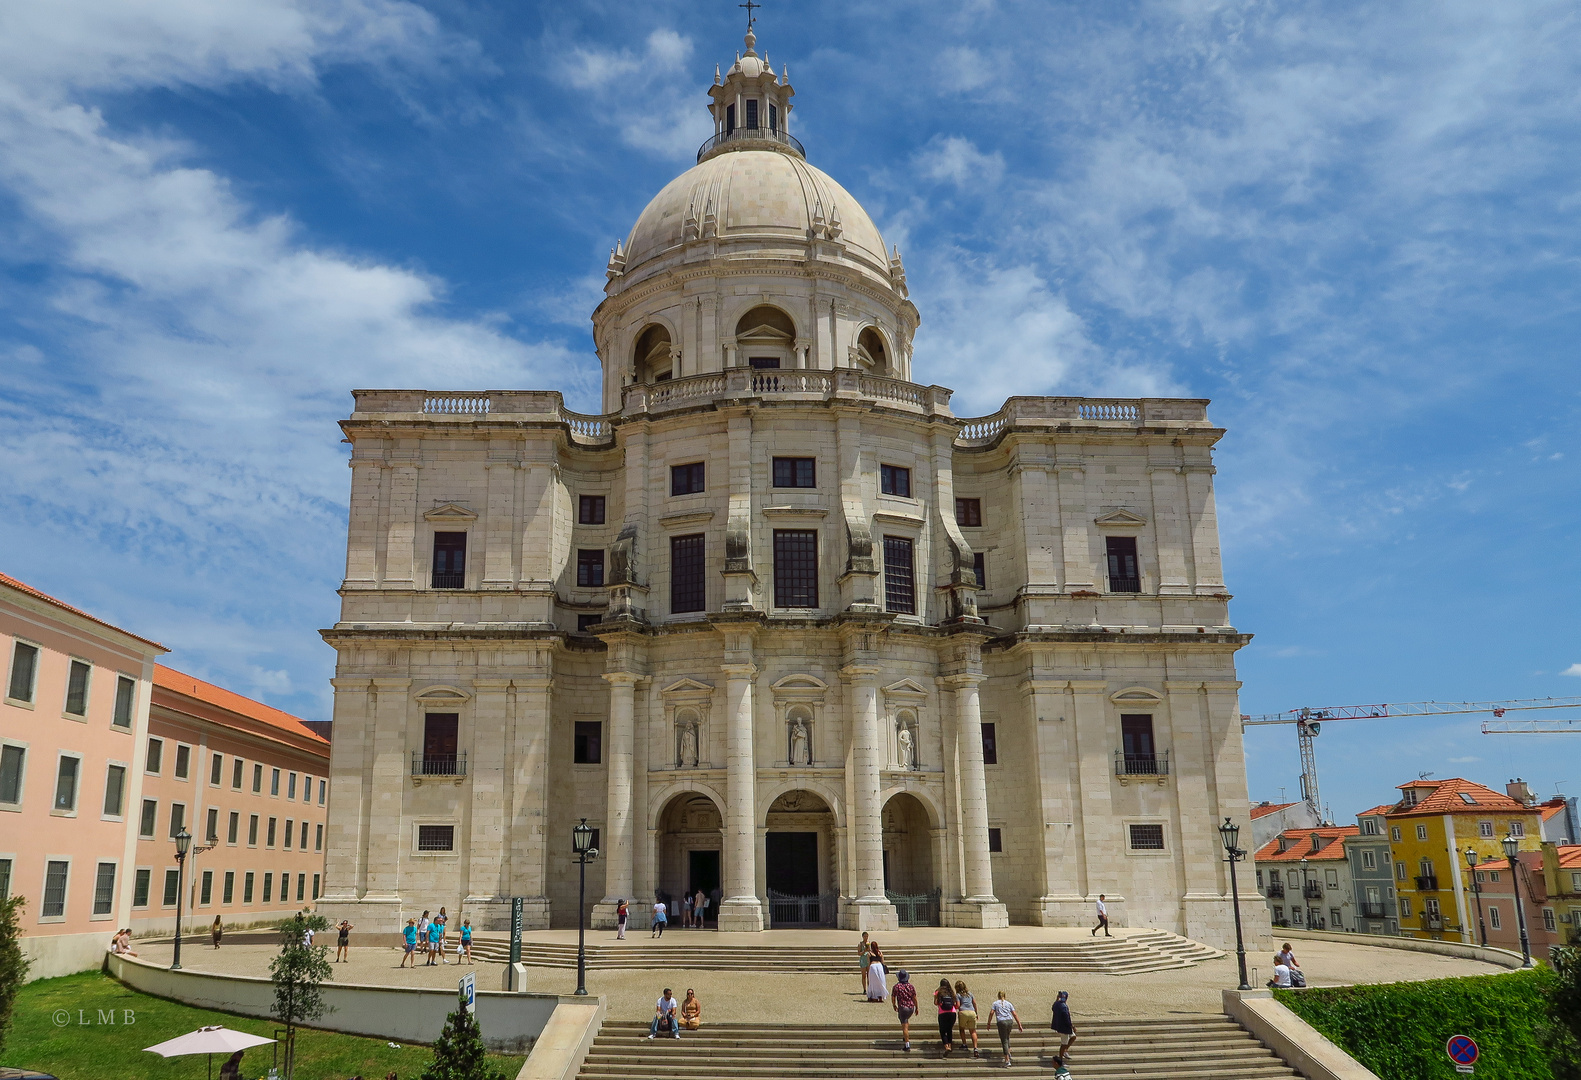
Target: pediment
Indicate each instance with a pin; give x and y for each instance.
(906, 688)
(800, 682)
(1122, 518)
(687, 686)
(763, 332)
(443, 695)
(453, 512)
(1136, 695)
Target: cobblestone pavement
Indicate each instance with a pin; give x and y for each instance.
(833, 999)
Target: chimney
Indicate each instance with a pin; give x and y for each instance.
(1520, 791)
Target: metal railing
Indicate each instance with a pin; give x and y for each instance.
(451, 765)
(1432, 922)
(921, 909)
(1125, 584)
(787, 910)
(1426, 882)
(1372, 911)
(752, 134)
(1276, 890)
(447, 581)
(1312, 891)
(1141, 764)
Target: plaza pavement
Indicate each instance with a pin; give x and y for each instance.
(748, 996)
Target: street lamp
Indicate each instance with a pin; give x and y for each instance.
(1476, 890)
(582, 847)
(1304, 893)
(183, 845)
(1231, 833)
(1512, 848)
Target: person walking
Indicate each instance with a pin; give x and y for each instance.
(877, 990)
(664, 1016)
(342, 942)
(409, 936)
(422, 935)
(944, 999)
(1004, 1015)
(861, 959)
(466, 942)
(966, 1014)
(905, 1001)
(661, 917)
(436, 931)
(1066, 1028)
(217, 930)
(622, 913)
(443, 922)
(1103, 918)
(686, 911)
(699, 909)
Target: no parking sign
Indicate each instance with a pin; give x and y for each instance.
(1462, 1050)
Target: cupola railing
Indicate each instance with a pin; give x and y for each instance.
(752, 134)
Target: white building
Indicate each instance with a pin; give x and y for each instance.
(740, 621)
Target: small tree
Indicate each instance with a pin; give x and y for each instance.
(1562, 1034)
(297, 971)
(459, 1052)
(13, 965)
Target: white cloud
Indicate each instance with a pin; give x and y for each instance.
(1573, 669)
(956, 160)
(650, 97)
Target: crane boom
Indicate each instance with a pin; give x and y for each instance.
(1531, 727)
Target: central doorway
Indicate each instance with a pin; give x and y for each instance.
(796, 861)
(702, 874)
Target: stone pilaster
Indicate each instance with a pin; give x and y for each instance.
(870, 908)
(1062, 902)
(617, 840)
(1201, 850)
(487, 900)
(362, 524)
(499, 520)
(1167, 531)
(1100, 832)
(1205, 558)
(529, 795)
(400, 549)
(740, 909)
(1075, 518)
(387, 835)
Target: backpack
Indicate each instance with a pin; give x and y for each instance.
(1298, 981)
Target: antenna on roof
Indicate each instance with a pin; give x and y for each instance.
(1423, 775)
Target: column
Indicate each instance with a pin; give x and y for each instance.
(346, 835)
(1168, 499)
(740, 909)
(620, 747)
(1100, 833)
(529, 793)
(387, 837)
(873, 911)
(487, 903)
(980, 906)
(1205, 558)
(1190, 749)
(1062, 902)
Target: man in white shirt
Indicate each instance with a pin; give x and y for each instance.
(664, 1016)
(1103, 918)
(1281, 976)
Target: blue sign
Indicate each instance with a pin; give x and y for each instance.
(1462, 1050)
(469, 992)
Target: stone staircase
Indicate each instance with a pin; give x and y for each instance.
(1203, 1047)
(1150, 950)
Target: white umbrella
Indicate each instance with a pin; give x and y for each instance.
(207, 1040)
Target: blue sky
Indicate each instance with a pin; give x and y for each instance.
(1355, 227)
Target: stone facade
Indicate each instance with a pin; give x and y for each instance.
(736, 622)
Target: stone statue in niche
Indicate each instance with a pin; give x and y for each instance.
(800, 743)
(687, 759)
(906, 743)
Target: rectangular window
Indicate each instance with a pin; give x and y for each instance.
(1485, 829)
(114, 790)
(969, 512)
(178, 817)
(269, 836)
(1336, 919)
(322, 787)
(1147, 838)
(585, 623)
(980, 569)
(24, 672)
(1548, 920)
(752, 112)
(156, 757)
(1369, 826)
(252, 831)
(1517, 829)
(589, 568)
(125, 698)
(440, 743)
(1421, 832)
(686, 479)
(55, 874)
(795, 472)
(436, 837)
(236, 774)
(206, 892)
(228, 890)
(183, 761)
(307, 788)
(274, 782)
(66, 784)
(318, 837)
(1369, 861)
(587, 743)
(688, 586)
(315, 886)
(1279, 913)
(774, 117)
(894, 480)
(1124, 574)
(212, 832)
(990, 745)
(1405, 907)
(730, 118)
(795, 568)
(450, 561)
(290, 829)
(104, 889)
(1394, 833)
(145, 826)
(301, 887)
(763, 363)
(290, 786)
(268, 887)
(1480, 876)
(1331, 878)
(12, 758)
(216, 769)
(1136, 743)
(900, 593)
(995, 841)
(247, 887)
(142, 881)
(1494, 875)
(1493, 917)
(233, 828)
(257, 779)
(172, 888)
(77, 688)
(590, 510)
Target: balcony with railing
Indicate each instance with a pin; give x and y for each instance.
(751, 138)
(1372, 911)
(445, 766)
(1431, 922)
(1275, 890)
(1141, 764)
(1312, 891)
(1427, 883)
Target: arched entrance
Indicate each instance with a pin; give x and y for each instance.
(910, 879)
(766, 337)
(653, 359)
(691, 846)
(798, 861)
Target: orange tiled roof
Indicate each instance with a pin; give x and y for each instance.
(1264, 809)
(170, 679)
(1302, 844)
(22, 587)
(1446, 799)
(1570, 857)
(1551, 807)
(1384, 809)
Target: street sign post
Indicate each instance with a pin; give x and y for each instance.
(516, 930)
(1462, 1050)
(469, 991)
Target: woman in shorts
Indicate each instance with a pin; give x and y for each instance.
(466, 941)
(905, 1000)
(966, 1014)
(410, 937)
(342, 941)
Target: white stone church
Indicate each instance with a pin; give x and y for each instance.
(777, 623)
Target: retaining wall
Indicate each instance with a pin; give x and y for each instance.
(1501, 957)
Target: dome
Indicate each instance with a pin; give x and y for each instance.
(758, 196)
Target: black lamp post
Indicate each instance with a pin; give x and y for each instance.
(582, 847)
(183, 845)
(1476, 890)
(1304, 898)
(1231, 833)
(1512, 848)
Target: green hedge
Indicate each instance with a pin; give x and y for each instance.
(1398, 1030)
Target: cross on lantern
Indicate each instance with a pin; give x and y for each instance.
(749, 5)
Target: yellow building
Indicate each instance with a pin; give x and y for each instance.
(1430, 830)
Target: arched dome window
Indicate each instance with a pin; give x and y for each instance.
(765, 337)
(870, 351)
(653, 358)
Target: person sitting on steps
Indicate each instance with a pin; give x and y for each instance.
(664, 1018)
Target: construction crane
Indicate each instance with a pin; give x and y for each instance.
(1309, 722)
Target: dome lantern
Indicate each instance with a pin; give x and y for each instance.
(751, 107)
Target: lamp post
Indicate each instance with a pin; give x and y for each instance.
(1231, 833)
(1476, 890)
(1512, 848)
(1304, 898)
(582, 847)
(183, 845)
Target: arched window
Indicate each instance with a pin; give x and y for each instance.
(765, 336)
(870, 350)
(653, 356)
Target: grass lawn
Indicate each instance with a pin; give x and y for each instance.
(85, 1049)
